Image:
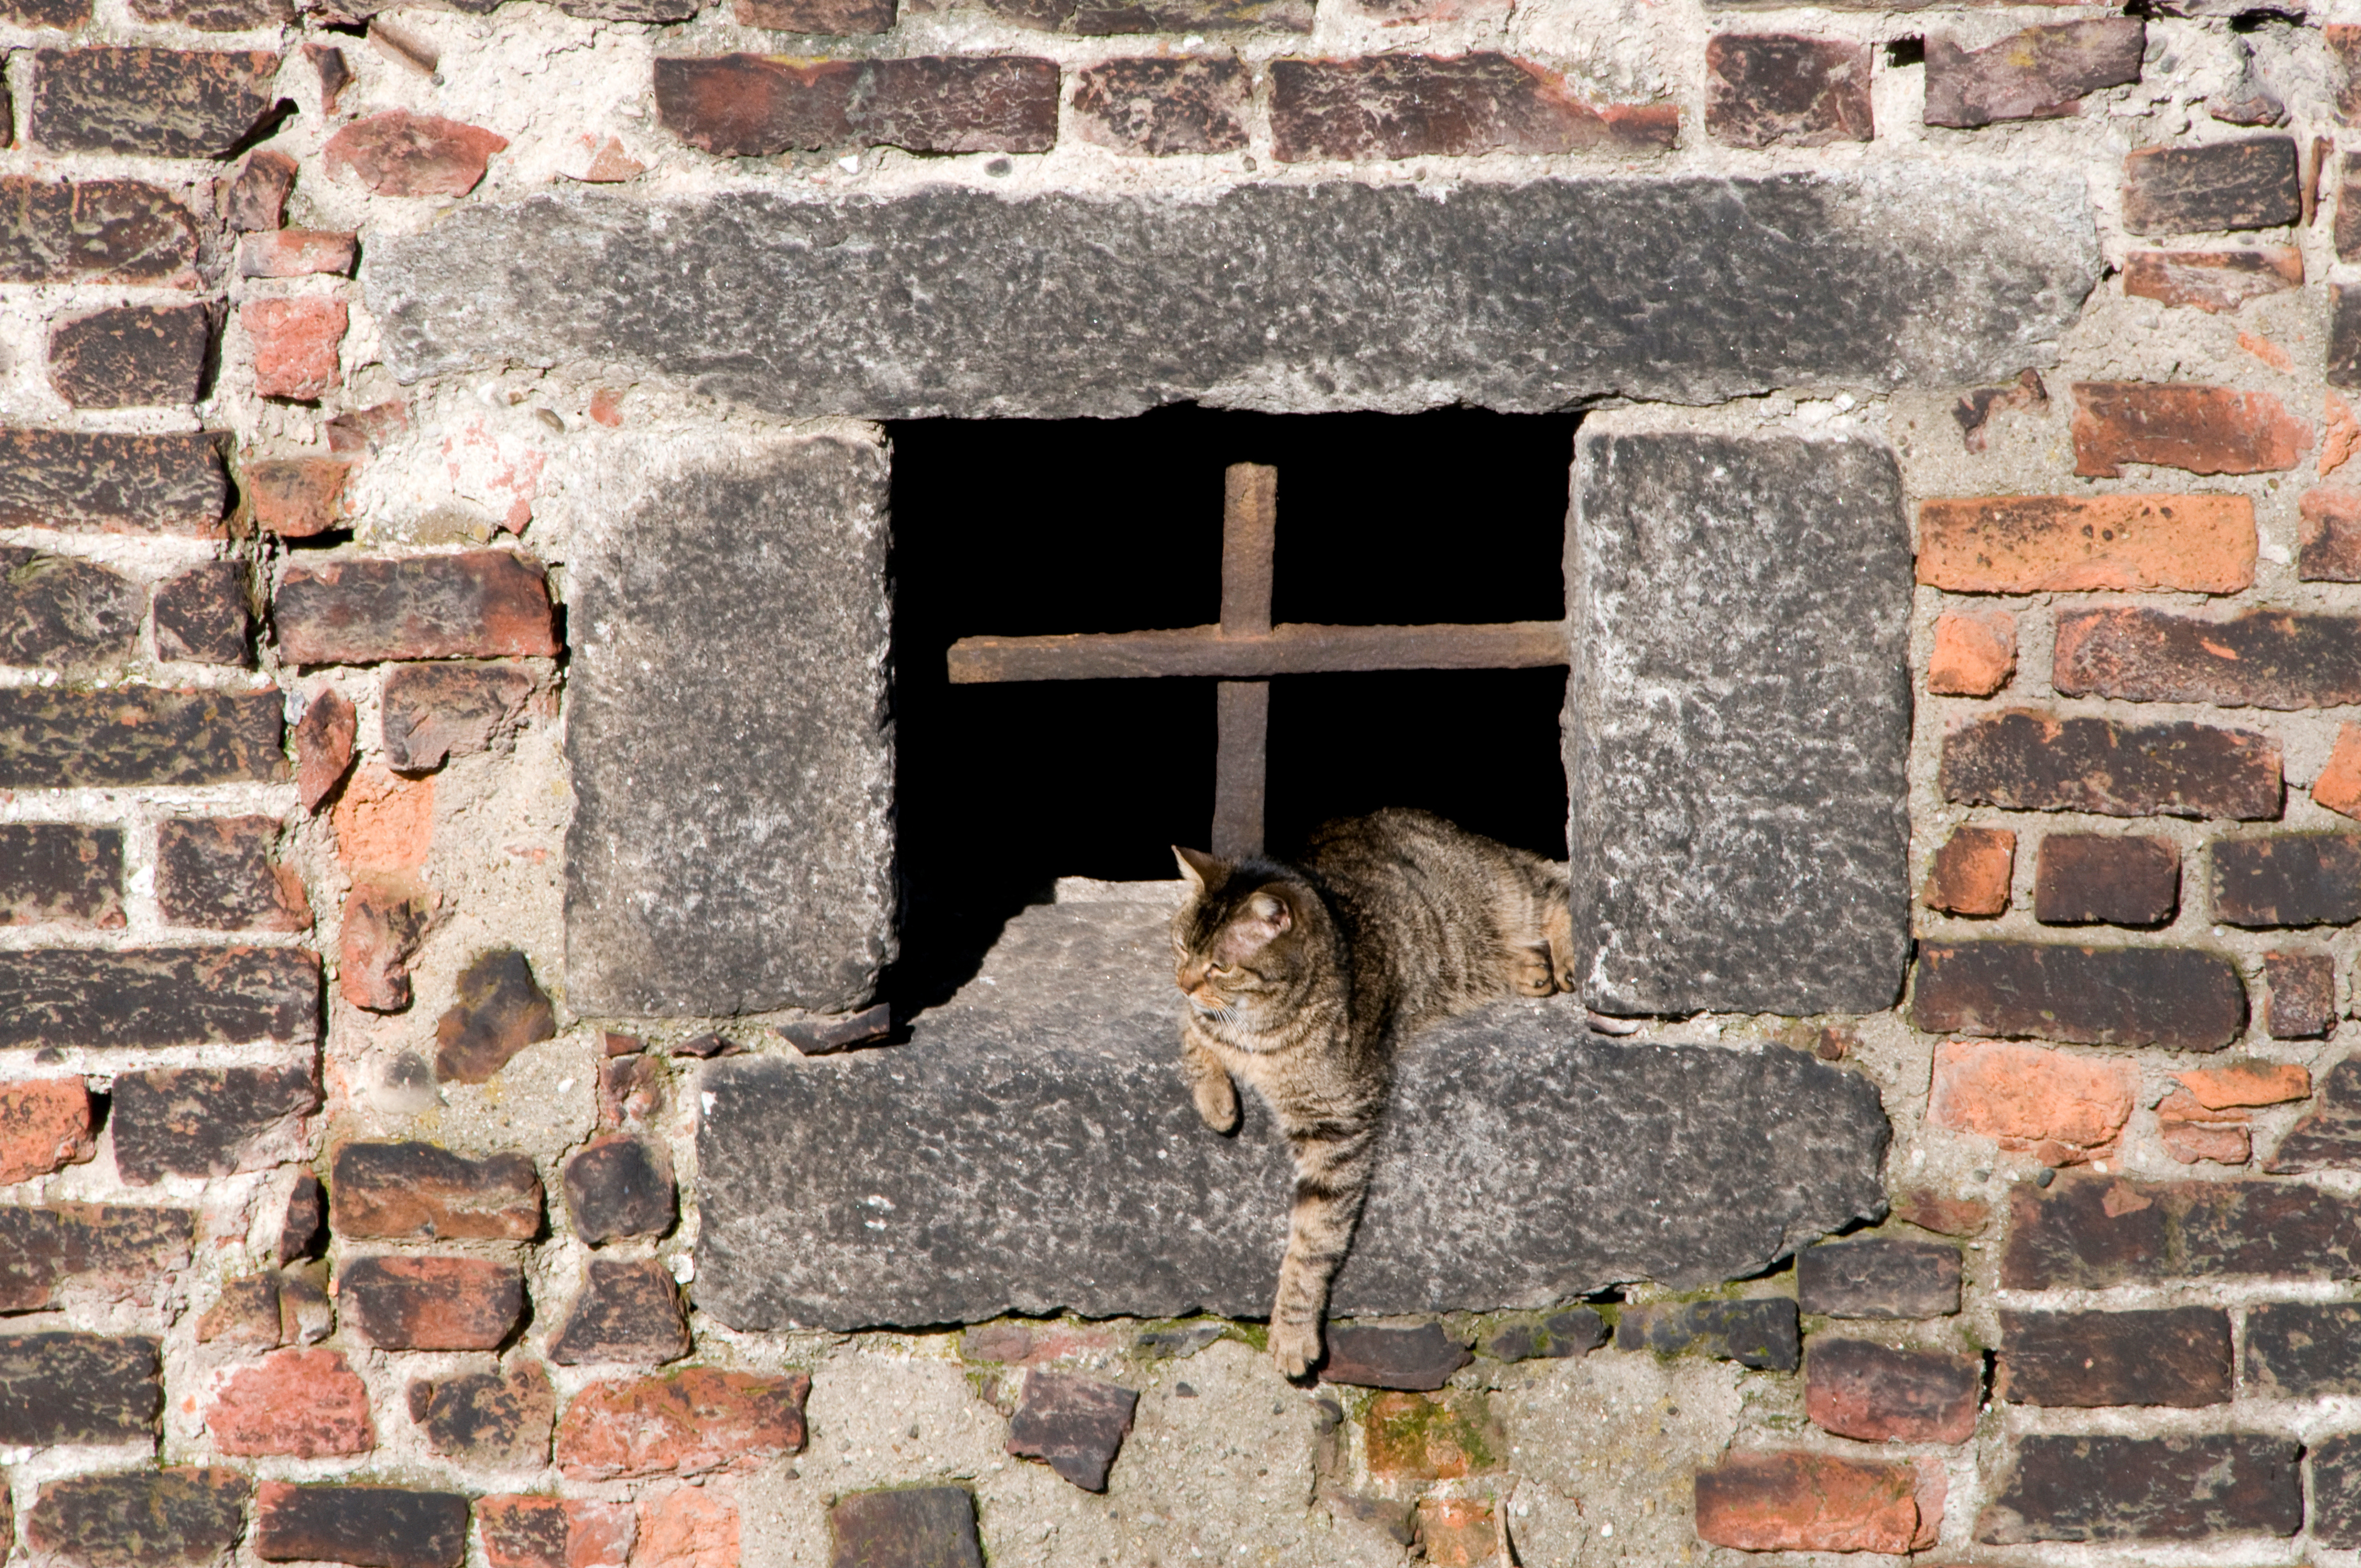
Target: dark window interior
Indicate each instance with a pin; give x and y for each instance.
(1026, 527)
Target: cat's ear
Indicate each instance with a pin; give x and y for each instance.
(1269, 910)
(1202, 870)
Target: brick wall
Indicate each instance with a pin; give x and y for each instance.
(330, 1231)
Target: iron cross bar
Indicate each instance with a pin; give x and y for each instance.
(1245, 649)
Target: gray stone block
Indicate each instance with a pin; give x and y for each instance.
(963, 303)
(1738, 722)
(1033, 1149)
(731, 848)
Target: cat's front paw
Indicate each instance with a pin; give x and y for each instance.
(1217, 1101)
(1296, 1348)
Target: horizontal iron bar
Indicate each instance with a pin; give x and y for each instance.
(1295, 649)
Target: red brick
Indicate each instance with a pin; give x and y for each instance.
(94, 231)
(430, 1303)
(1461, 1532)
(2027, 759)
(691, 1527)
(500, 1009)
(245, 1313)
(1813, 1502)
(2340, 433)
(420, 1192)
(1975, 653)
(123, 483)
(595, 162)
(202, 617)
(359, 610)
(59, 872)
(2178, 1357)
(2344, 42)
(2203, 430)
(2302, 1004)
(2338, 786)
(1944, 1215)
(432, 712)
(1432, 1437)
(255, 198)
(373, 1527)
(2175, 997)
(295, 345)
(494, 1420)
(297, 253)
(2085, 878)
(1976, 411)
(44, 1126)
(387, 917)
(688, 1424)
(163, 103)
(2250, 183)
(296, 498)
(1411, 105)
(2039, 73)
(2213, 280)
(2063, 1107)
(2016, 544)
(1858, 1388)
(607, 407)
(2191, 1132)
(2329, 542)
(384, 823)
(1778, 90)
(2290, 879)
(397, 153)
(323, 745)
(532, 1531)
(306, 1404)
(1163, 106)
(131, 355)
(747, 105)
(2247, 1084)
(838, 18)
(1971, 873)
(2260, 659)
(218, 873)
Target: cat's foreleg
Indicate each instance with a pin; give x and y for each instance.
(1557, 931)
(1209, 1085)
(1331, 1177)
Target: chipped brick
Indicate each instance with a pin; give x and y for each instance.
(383, 823)
(2213, 280)
(524, 1531)
(432, 712)
(386, 921)
(296, 497)
(485, 1417)
(297, 253)
(255, 198)
(1974, 655)
(397, 153)
(359, 610)
(2303, 1007)
(204, 1122)
(113, 1252)
(619, 1187)
(296, 344)
(2203, 430)
(1160, 107)
(44, 1126)
(628, 1310)
(499, 1011)
(2060, 1106)
(1778, 90)
(217, 873)
(1443, 1437)
(1971, 873)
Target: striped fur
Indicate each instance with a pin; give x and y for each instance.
(1304, 982)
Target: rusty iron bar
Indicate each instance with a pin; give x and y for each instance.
(1294, 648)
(1249, 543)
(1241, 710)
(1242, 734)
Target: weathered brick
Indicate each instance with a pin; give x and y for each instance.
(497, 1419)
(688, 1423)
(1460, 1533)
(2192, 1133)
(217, 873)
(2086, 1232)
(110, 1251)
(1163, 106)
(420, 1192)
(159, 996)
(1779, 90)
(209, 1120)
(838, 18)
(934, 1525)
(1971, 873)
(430, 1303)
(372, 1526)
(124, 484)
(397, 153)
(2263, 658)
(165, 102)
(1411, 105)
(369, 429)
(1073, 1423)
(2304, 1350)
(2329, 540)
(2215, 280)
(2178, 1355)
(432, 712)
(2025, 759)
(59, 613)
(2038, 73)
(619, 1187)
(296, 498)
(307, 1404)
(2338, 784)
(304, 1217)
(138, 1519)
(499, 1011)
(254, 200)
(323, 745)
(747, 105)
(1861, 1390)
(1979, 408)
(71, 1387)
(1441, 1437)
(44, 1126)
(1884, 1276)
(202, 616)
(384, 823)
(61, 874)
(2289, 879)
(2335, 1465)
(1974, 655)
(268, 1310)
(632, 1092)
(53, 739)
(524, 1531)
(386, 920)
(1368, 1357)
(2203, 430)
(1561, 1336)
(1762, 1333)
(2249, 184)
(2116, 880)
(296, 344)
(94, 231)
(216, 16)
(627, 1310)
(2064, 1108)
(2013, 544)
(1814, 1502)
(1944, 1215)
(2173, 997)
(2247, 1082)
(2302, 1004)
(2344, 360)
(2136, 1489)
(1106, 16)
(64, 15)
(362, 611)
(131, 355)
(2344, 42)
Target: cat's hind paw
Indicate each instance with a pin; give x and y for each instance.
(1296, 1348)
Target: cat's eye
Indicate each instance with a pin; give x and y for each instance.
(1225, 970)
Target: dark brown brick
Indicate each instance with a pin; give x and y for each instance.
(2038, 73)
(363, 611)
(485, 1417)
(397, 153)
(838, 18)
(2172, 997)
(1371, 1358)
(2250, 183)
(216, 16)
(501, 1010)
(2180, 1356)
(1100, 18)
(2140, 1489)
(2203, 430)
(1884, 1276)
(1761, 1333)
(1778, 90)
(2304, 1350)
(159, 996)
(2289, 879)
(746, 105)
(2303, 995)
(2085, 878)
(66, 14)
(2027, 759)
(432, 712)
(2263, 658)
(619, 1187)
(1163, 106)
(2213, 280)
(165, 102)
(59, 613)
(115, 1252)
(69, 1387)
(2336, 1462)
(372, 1527)
(217, 873)
(138, 1519)
(254, 200)
(202, 617)
(628, 1310)
(53, 739)
(60, 872)
(2329, 542)
(131, 355)
(420, 1192)
(1074, 1424)
(296, 498)
(430, 1303)
(94, 231)
(934, 1525)
(303, 1221)
(1860, 1389)
(1561, 1336)
(2343, 363)
(1412, 105)
(2086, 1232)
(124, 484)
(323, 745)
(194, 1121)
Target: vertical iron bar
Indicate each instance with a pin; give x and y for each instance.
(1244, 726)
(1249, 528)
(1250, 522)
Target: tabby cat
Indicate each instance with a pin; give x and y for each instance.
(1305, 980)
